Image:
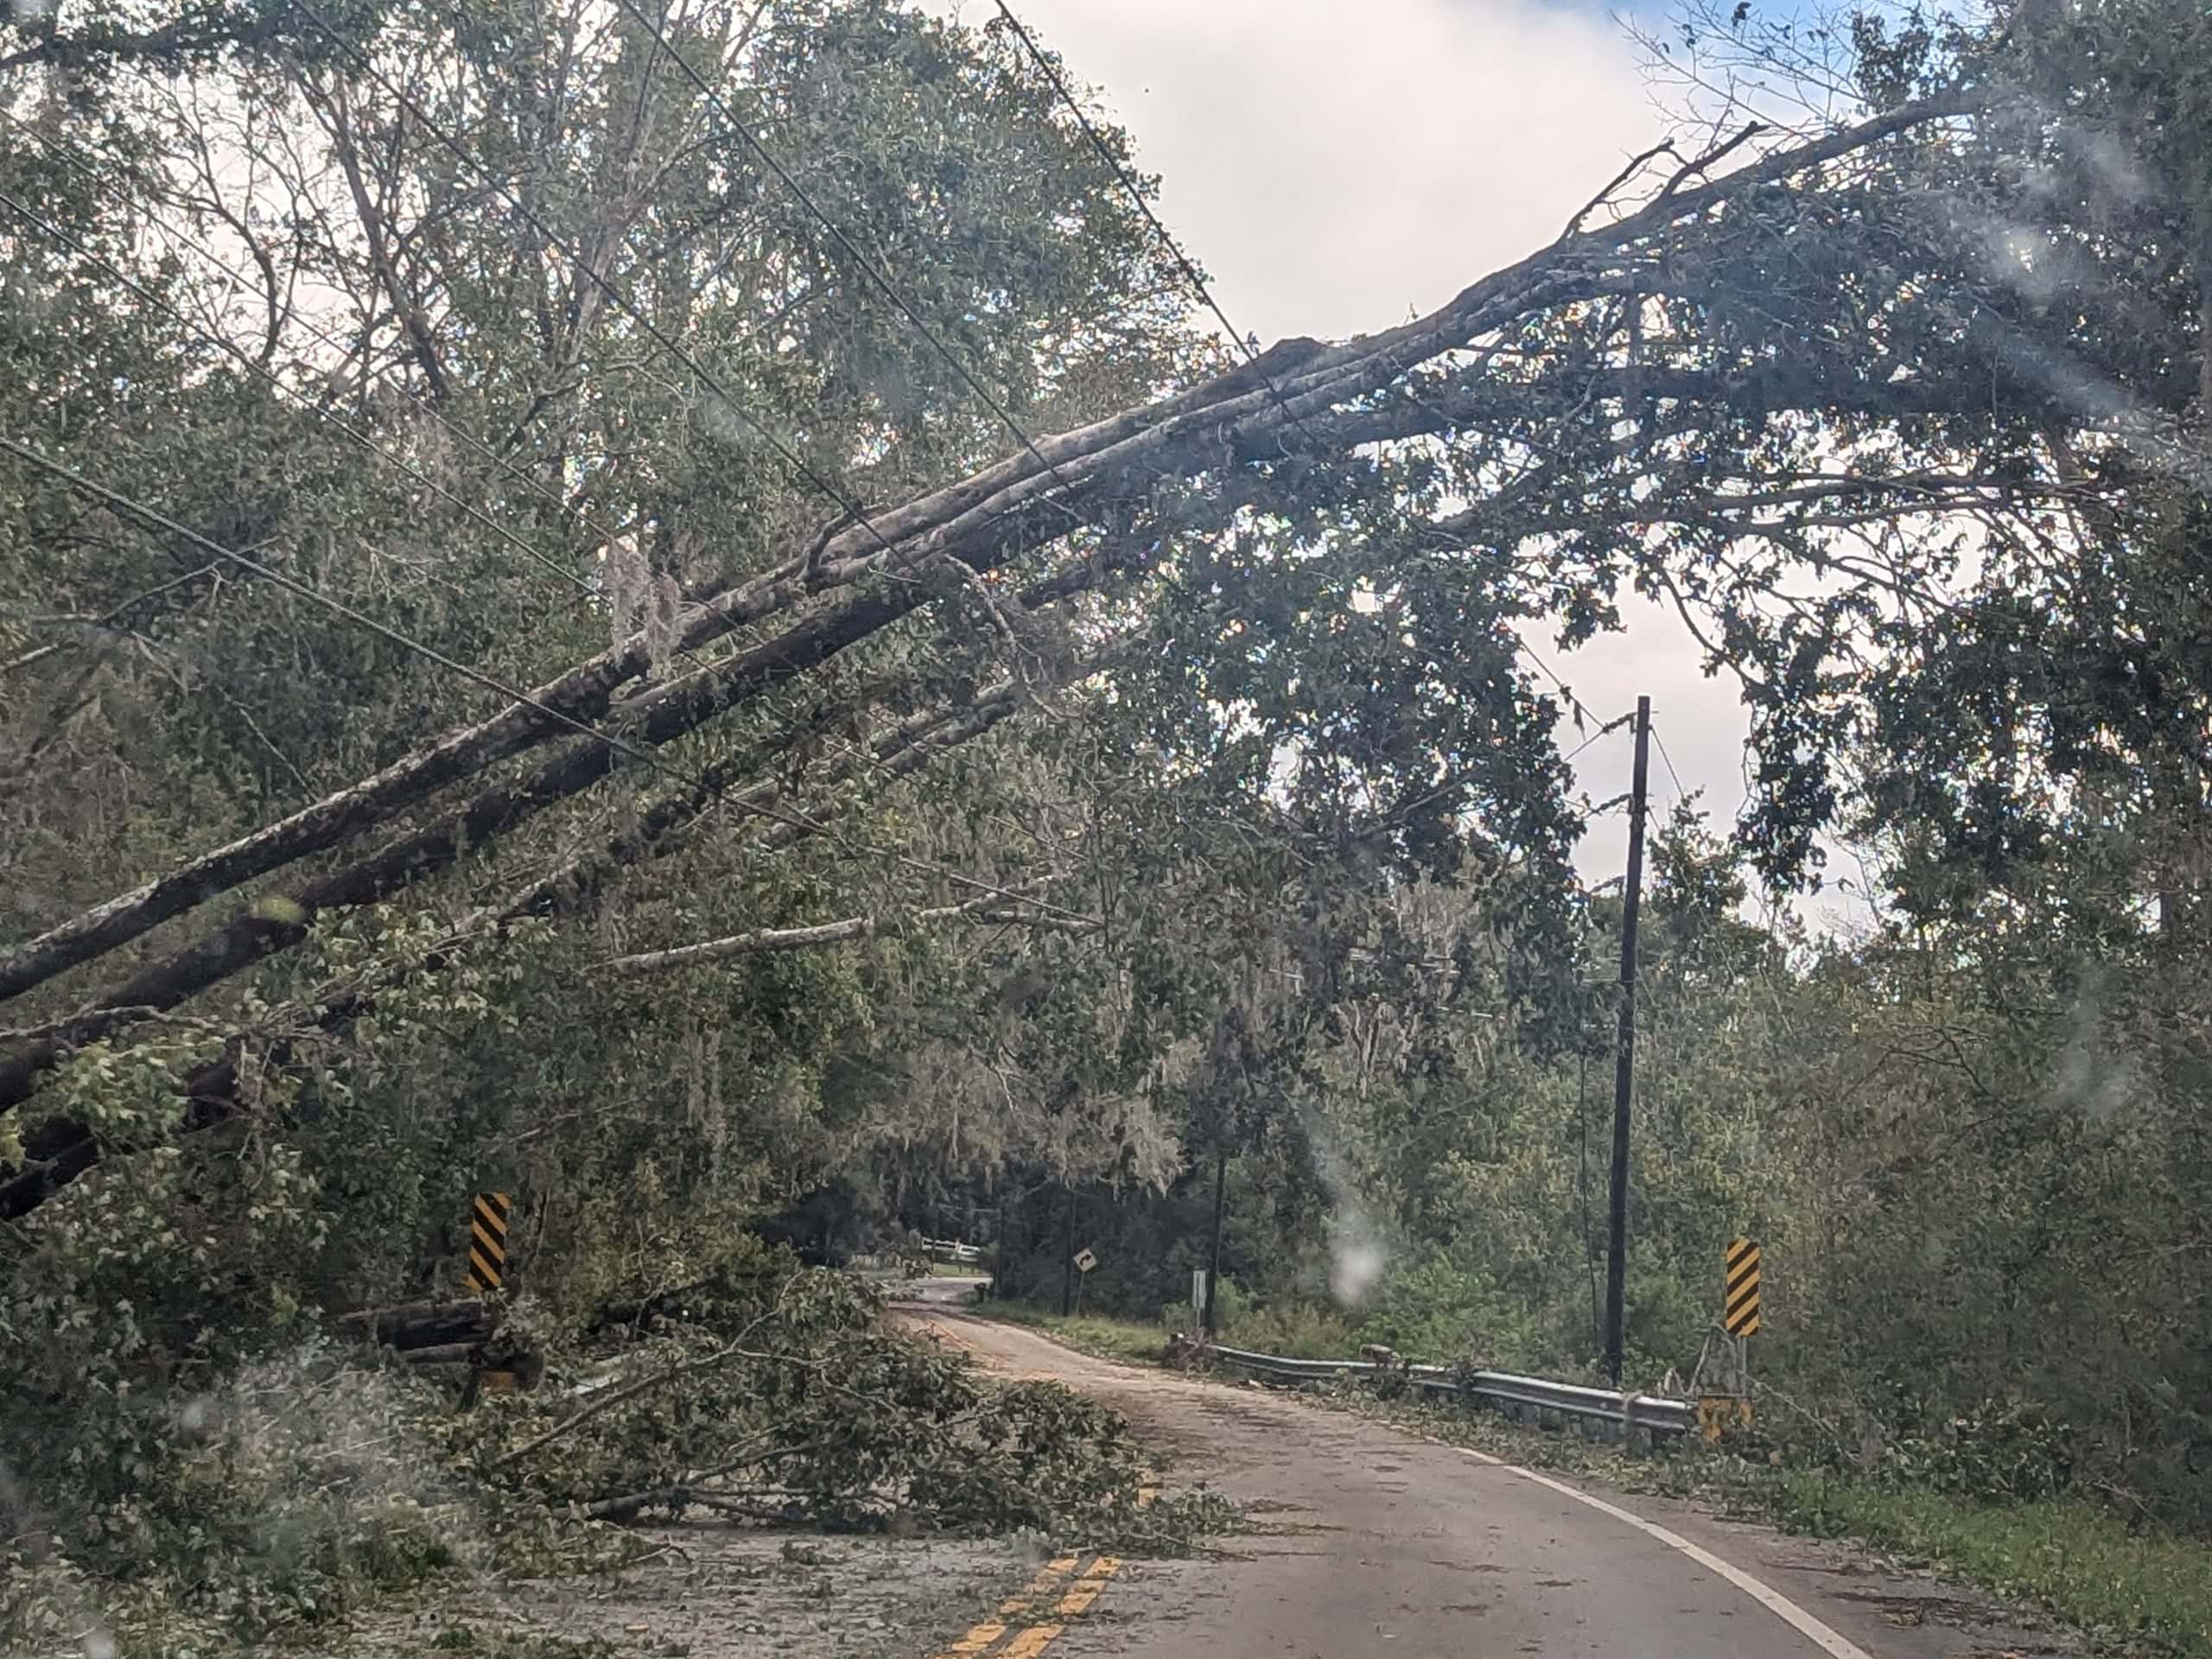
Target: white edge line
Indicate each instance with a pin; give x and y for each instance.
(1823, 1637)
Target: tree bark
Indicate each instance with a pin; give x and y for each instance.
(656, 718)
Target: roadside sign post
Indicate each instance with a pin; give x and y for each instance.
(1084, 1261)
(489, 1215)
(1198, 1297)
(1725, 1400)
(1213, 1260)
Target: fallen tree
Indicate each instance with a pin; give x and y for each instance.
(780, 1394)
(1302, 406)
(1662, 396)
(58, 1152)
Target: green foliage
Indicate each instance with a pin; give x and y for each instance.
(2007, 1450)
(788, 1388)
(2136, 1590)
(1945, 1156)
(1295, 1326)
(249, 1497)
(286, 1491)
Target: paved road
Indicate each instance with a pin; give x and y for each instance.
(1373, 1542)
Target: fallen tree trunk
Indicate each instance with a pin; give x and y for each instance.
(652, 720)
(60, 1151)
(1280, 407)
(465, 1322)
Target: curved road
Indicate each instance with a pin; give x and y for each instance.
(1372, 1541)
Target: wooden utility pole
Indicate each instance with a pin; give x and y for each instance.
(1213, 1265)
(1067, 1254)
(1624, 1051)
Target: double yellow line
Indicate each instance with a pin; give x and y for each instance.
(1038, 1630)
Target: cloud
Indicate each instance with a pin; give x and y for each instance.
(1332, 164)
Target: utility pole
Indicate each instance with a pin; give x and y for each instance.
(1067, 1254)
(1624, 1051)
(1213, 1270)
(997, 1289)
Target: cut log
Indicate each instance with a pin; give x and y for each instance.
(446, 1353)
(463, 1321)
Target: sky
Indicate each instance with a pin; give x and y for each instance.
(1335, 166)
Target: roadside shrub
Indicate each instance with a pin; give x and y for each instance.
(1293, 1326)
(284, 1493)
(2012, 1451)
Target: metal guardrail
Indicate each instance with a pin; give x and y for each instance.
(1654, 1412)
(952, 1249)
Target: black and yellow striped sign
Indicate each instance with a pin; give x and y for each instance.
(487, 1241)
(1739, 1297)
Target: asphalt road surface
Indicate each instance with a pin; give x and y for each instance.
(1370, 1542)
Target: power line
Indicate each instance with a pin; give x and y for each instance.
(454, 429)
(159, 520)
(866, 265)
(152, 516)
(1549, 673)
(854, 511)
(1680, 792)
(1610, 727)
(276, 381)
(1190, 269)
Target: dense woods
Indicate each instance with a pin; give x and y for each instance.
(682, 612)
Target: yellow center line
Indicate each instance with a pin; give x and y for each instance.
(980, 1638)
(1050, 1575)
(1085, 1591)
(976, 1641)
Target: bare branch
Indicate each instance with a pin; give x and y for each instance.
(769, 940)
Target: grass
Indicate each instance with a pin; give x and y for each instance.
(2147, 1592)
(1131, 1341)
